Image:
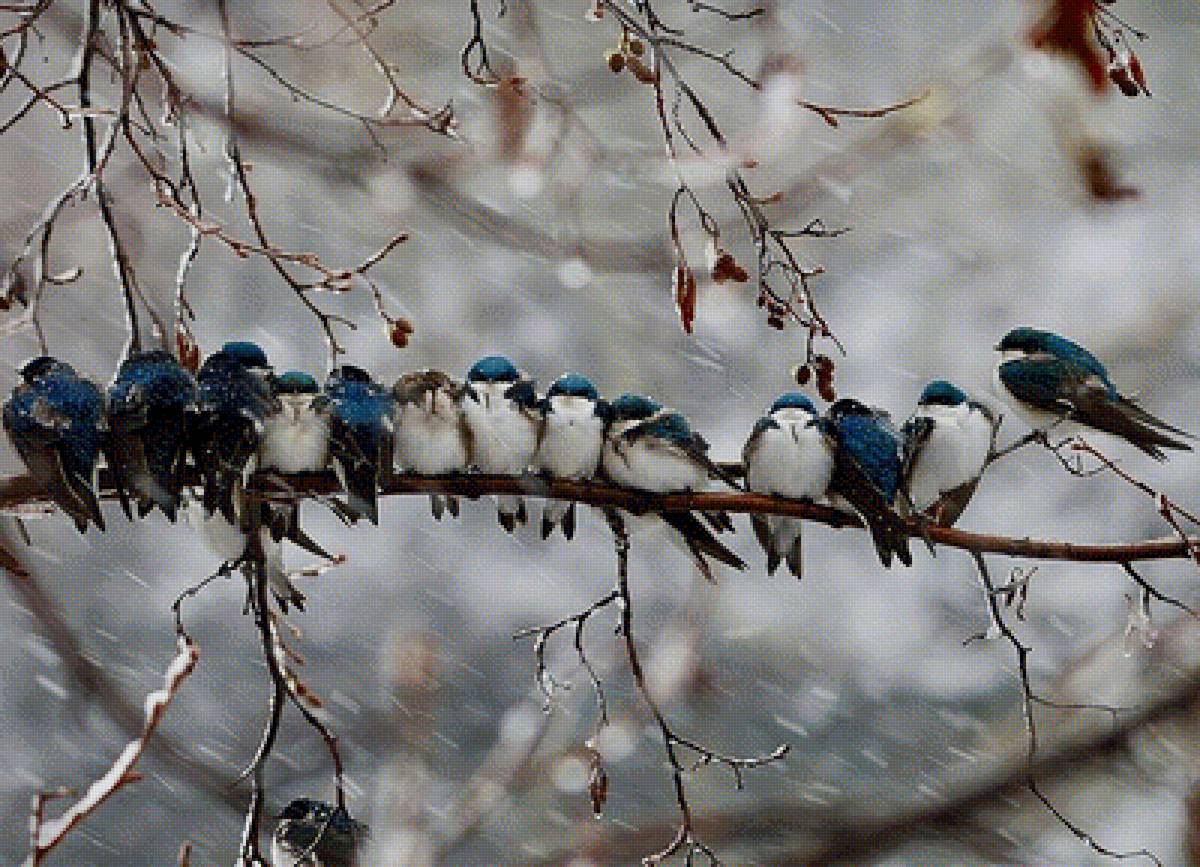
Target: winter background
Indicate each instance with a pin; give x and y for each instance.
(968, 218)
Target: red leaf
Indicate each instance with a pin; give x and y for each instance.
(1135, 69)
(685, 295)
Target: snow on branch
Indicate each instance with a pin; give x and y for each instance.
(44, 836)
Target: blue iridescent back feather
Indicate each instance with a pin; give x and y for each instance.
(630, 407)
(875, 447)
(1070, 353)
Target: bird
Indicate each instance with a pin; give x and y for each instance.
(230, 541)
(232, 406)
(1050, 380)
(149, 406)
(55, 419)
(866, 473)
(500, 407)
(650, 448)
(432, 437)
(360, 436)
(311, 833)
(946, 445)
(787, 455)
(570, 439)
(295, 437)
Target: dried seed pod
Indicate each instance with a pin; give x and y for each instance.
(398, 331)
(597, 785)
(640, 71)
(803, 374)
(615, 61)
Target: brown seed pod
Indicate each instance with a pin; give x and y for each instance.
(597, 785)
(615, 61)
(640, 71)
(398, 331)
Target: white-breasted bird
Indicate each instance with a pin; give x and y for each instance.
(570, 438)
(947, 441)
(787, 455)
(500, 406)
(432, 437)
(648, 447)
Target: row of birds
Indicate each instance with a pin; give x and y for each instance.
(236, 415)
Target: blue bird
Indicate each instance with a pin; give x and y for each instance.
(570, 439)
(947, 442)
(1050, 380)
(787, 455)
(432, 437)
(312, 833)
(233, 403)
(148, 408)
(360, 436)
(500, 407)
(55, 419)
(866, 473)
(650, 448)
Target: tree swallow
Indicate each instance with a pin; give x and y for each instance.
(295, 437)
(1049, 379)
(787, 455)
(653, 449)
(315, 834)
(55, 419)
(148, 406)
(570, 437)
(866, 472)
(360, 438)
(229, 542)
(946, 446)
(500, 406)
(432, 437)
(234, 400)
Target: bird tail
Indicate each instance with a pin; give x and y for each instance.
(558, 513)
(359, 479)
(890, 537)
(511, 511)
(1147, 432)
(701, 543)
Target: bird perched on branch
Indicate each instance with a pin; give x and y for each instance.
(500, 406)
(570, 438)
(648, 447)
(55, 419)
(1054, 382)
(312, 833)
(432, 437)
(295, 437)
(866, 473)
(947, 441)
(360, 436)
(148, 408)
(787, 455)
(232, 406)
